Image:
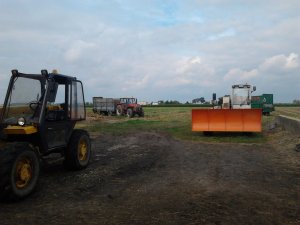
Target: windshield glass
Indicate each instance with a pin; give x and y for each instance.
(23, 100)
(240, 96)
(128, 100)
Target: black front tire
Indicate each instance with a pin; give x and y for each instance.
(19, 171)
(78, 152)
(130, 113)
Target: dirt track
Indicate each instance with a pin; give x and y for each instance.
(150, 178)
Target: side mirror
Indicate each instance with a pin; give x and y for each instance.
(254, 88)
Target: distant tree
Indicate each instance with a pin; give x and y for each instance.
(88, 104)
(187, 103)
(296, 101)
(174, 102)
(202, 100)
(198, 100)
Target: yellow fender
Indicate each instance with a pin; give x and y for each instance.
(20, 130)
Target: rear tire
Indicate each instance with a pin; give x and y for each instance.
(19, 171)
(119, 110)
(78, 152)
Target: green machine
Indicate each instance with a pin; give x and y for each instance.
(264, 101)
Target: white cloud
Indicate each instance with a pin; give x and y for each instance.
(136, 83)
(239, 75)
(76, 50)
(227, 33)
(280, 63)
(292, 61)
(187, 71)
(273, 65)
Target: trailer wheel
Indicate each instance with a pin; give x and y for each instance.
(78, 152)
(119, 110)
(129, 113)
(19, 171)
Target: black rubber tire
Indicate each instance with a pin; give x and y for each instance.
(119, 110)
(72, 154)
(130, 113)
(11, 156)
(141, 113)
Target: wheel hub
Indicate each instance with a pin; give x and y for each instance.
(83, 152)
(24, 173)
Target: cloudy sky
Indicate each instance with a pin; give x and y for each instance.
(156, 49)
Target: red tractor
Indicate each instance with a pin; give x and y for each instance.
(129, 107)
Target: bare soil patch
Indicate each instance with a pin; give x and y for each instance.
(150, 178)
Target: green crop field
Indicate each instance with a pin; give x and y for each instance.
(288, 111)
(175, 121)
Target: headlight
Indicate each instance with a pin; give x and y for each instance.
(21, 121)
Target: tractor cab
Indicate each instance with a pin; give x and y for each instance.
(46, 105)
(241, 96)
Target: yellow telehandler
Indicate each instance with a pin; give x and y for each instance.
(38, 118)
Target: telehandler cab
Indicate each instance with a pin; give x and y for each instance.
(37, 119)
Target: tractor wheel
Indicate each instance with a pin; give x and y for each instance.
(119, 110)
(78, 152)
(130, 113)
(141, 113)
(19, 171)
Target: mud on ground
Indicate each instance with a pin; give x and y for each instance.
(150, 178)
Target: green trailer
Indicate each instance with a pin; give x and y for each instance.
(264, 101)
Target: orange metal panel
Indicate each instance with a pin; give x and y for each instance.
(239, 120)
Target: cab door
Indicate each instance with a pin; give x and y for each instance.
(58, 125)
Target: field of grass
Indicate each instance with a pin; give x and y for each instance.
(288, 111)
(174, 121)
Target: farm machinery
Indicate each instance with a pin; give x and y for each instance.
(119, 107)
(105, 106)
(129, 107)
(233, 113)
(38, 118)
(265, 102)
